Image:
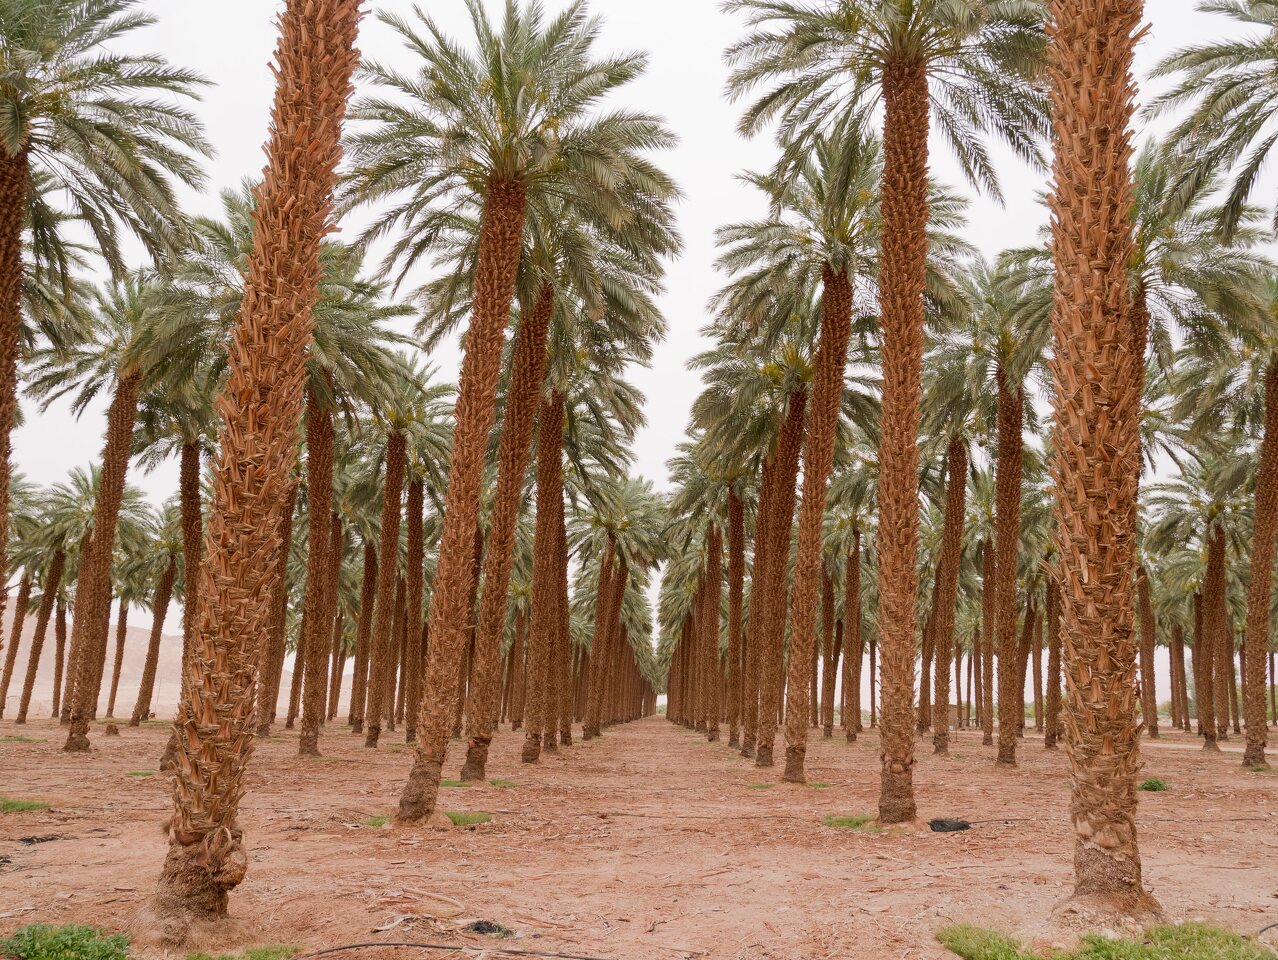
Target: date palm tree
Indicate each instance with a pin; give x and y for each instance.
(970, 66)
(1095, 435)
(67, 107)
(259, 410)
(161, 567)
(517, 115)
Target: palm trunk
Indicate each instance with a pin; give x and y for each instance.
(413, 587)
(830, 655)
(988, 573)
(501, 234)
(736, 596)
(946, 599)
(1223, 650)
(274, 649)
(772, 614)
(337, 668)
(313, 648)
(1007, 537)
(1260, 585)
(1095, 436)
(260, 410)
(612, 588)
(159, 610)
(59, 652)
(901, 282)
(91, 625)
(1037, 662)
(49, 588)
(1148, 688)
(121, 633)
(855, 640)
(818, 460)
(1052, 726)
(15, 175)
(192, 542)
(382, 670)
(1204, 646)
(563, 688)
(363, 634)
(11, 655)
(710, 631)
(529, 371)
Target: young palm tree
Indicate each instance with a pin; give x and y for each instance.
(515, 117)
(260, 412)
(922, 60)
(68, 106)
(161, 567)
(1095, 435)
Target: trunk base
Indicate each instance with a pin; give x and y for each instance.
(712, 734)
(417, 802)
(763, 755)
(476, 765)
(288, 724)
(941, 744)
(308, 744)
(357, 725)
(1254, 755)
(733, 739)
(987, 739)
(747, 748)
(896, 795)
(550, 742)
(794, 757)
(851, 736)
(532, 749)
(565, 738)
(828, 731)
(77, 738)
(1210, 744)
(372, 736)
(190, 902)
(1006, 756)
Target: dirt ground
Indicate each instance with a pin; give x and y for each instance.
(649, 843)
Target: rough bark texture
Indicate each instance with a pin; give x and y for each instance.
(15, 174)
(612, 580)
(121, 634)
(854, 642)
(772, 612)
(363, 635)
(318, 616)
(1007, 538)
(11, 655)
(988, 567)
(901, 282)
(529, 371)
(52, 581)
(945, 604)
(414, 584)
(59, 652)
(818, 460)
(537, 703)
(500, 236)
(382, 671)
(829, 655)
(160, 608)
(192, 543)
(1095, 435)
(1148, 687)
(710, 631)
(1052, 725)
(1260, 585)
(91, 625)
(736, 595)
(276, 640)
(259, 409)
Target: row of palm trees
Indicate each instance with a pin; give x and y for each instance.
(539, 209)
(860, 346)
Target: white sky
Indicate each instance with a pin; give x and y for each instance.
(231, 41)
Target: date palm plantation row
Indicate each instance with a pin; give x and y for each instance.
(482, 550)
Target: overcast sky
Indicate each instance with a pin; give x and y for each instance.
(230, 42)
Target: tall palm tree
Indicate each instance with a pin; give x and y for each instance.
(516, 116)
(122, 352)
(162, 567)
(969, 66)
(260, 412)
(1095, 435)
(68, 106)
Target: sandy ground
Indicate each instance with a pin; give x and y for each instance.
(648, 843)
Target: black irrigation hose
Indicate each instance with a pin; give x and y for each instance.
(444, 947)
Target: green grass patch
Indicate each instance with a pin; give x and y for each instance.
(1261, 768)
(141, 773)
(453, 783)
(21, 806)
(70, 942)
(858, 821)
(759, 786)
(463, 818)
(376, 822)
(251, 953)
(820, 785)
(21, 739)
(1187, 941)
(504, 784)
(1154, 785)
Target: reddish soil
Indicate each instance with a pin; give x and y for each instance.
(649, 843)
